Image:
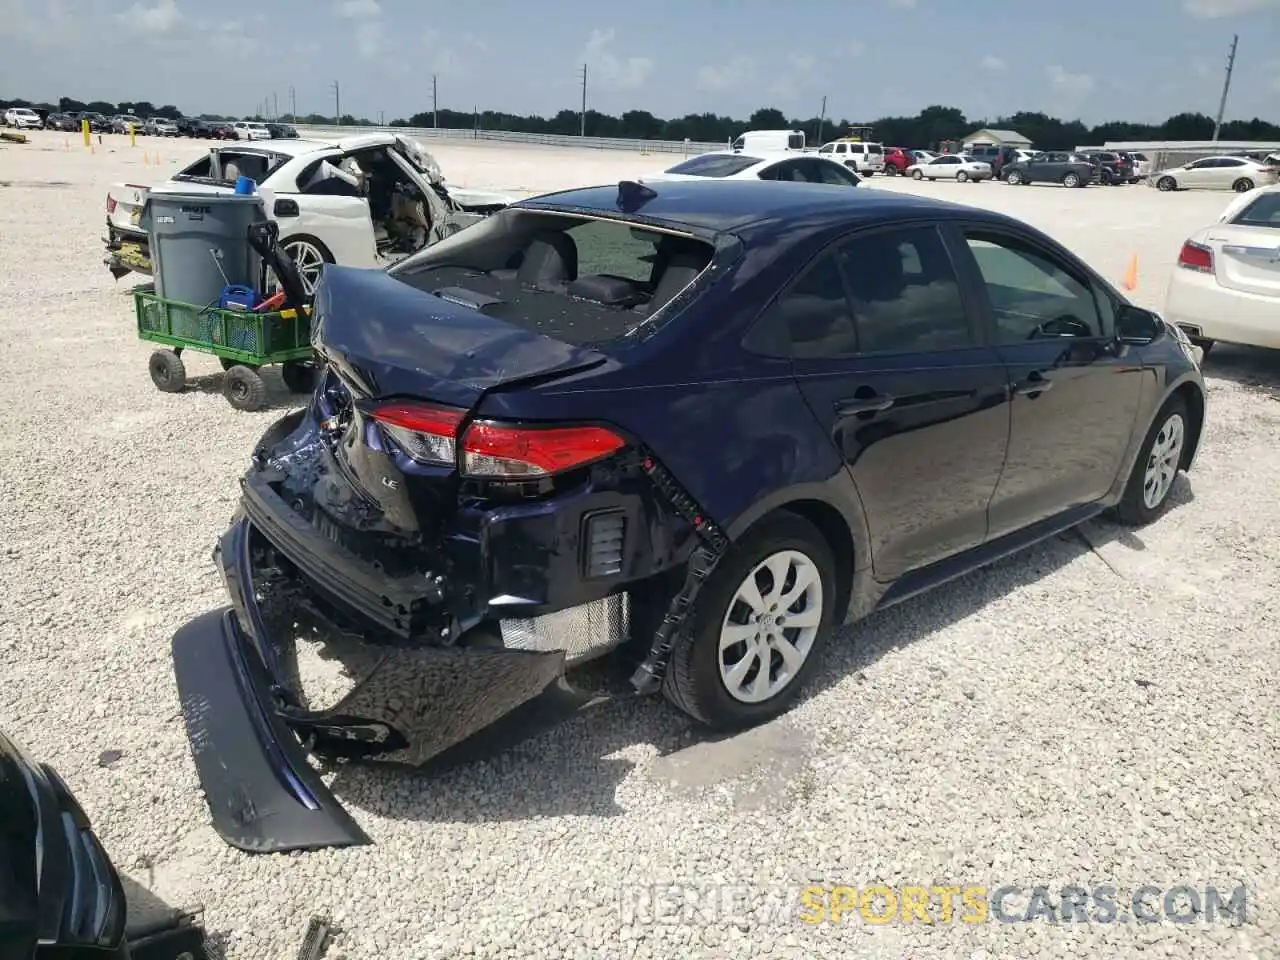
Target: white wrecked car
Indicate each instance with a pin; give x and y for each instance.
(360, 201)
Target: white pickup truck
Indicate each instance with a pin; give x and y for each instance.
(361, 201)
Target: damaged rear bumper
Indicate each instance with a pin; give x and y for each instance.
(417, 703)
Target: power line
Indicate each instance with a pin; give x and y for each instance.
(1226, 85)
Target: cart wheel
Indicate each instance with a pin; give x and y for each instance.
(227, 364)
(298, 375)
(244, 389)
(167, 371)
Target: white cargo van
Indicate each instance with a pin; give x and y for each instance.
(858, 155)
(770, 141)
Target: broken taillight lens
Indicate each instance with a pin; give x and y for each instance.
(111, 204)
(429, 435)
(1193, 256)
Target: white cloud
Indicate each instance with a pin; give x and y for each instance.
(1218, 9)
(371, 38)
(152, 21)
(621, 73)
(993, 64)
(357, 9)
(1070, 84)
(441, 55)
(725, 76)
(903, 4)
(854, 48)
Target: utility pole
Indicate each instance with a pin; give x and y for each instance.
(275, 106)
(1226, 85)
(435, 102)
(293, 105)
(337, 104)
(822, 117)
(582, 132)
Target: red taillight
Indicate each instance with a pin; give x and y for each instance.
(111, 204)
(429, 435)
(1196, 257)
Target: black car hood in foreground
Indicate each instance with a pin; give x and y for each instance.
(387, 338)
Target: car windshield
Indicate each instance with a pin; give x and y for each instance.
(715, 165)
(580, 280)
(1262, 212)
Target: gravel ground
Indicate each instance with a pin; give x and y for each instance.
(1100, 709)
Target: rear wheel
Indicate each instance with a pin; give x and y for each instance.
(961, 176)
(1071, 180)
(1014, 178)
(244, 389)
(168, 372)
(890, 171)
(1243, 185)
(1166, 184)
(757, 628)
(1146, 495)
(310, 256)
(917, 175)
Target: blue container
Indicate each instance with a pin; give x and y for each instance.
(245, 186)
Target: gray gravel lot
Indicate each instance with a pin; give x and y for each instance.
(1099, 710)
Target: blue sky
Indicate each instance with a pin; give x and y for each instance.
(1093, 59)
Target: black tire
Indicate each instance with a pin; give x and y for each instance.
(1166, 184)
(228, 363)
(298, 375)
(1014, 178)
(692, 682)
(890, 171)
(917, 175)
(244, 389)
(1243, 185)
(1133, 510)
(1071, 180)
(961, 176)
(168, 372)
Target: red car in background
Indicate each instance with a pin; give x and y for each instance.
(896, 161)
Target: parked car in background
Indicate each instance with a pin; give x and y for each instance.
(1114, 168)
(23, 118)
(769, 141)
(787, 167)
(121, 124)
(1227, 282)
(222, 130)
(998, 157)
(364, 201)
(1216, 173)
(1138, 164)
(60, 121)
(896, 161)
(160, 127)
(250, 130)
(1068, 169)
(863, 158)
(951, 166)
(282, 131)
(97, 122)
(923, 156)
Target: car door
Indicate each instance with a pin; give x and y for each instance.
(885, 349)
(331, 212)
(947, 166)
(1225, 172)
(1196, 174)
(1074, 397)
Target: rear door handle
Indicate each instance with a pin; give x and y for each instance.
(1036, 383)
(872, 404)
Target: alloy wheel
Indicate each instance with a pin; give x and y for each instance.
(770, 627)
(309, 261)
(1163, 461)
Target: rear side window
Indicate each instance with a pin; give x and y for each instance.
(890, 292)
(715, 165)
(874, 148)
(1263, 212)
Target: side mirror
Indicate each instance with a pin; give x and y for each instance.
(1135, 325)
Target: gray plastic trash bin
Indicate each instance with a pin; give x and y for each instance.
(199, 243)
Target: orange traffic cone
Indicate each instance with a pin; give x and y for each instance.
(1131, 275)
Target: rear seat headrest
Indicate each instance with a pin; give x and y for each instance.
(550, 257)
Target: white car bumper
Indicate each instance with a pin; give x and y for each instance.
(1206, 310)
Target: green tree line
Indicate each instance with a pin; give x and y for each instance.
(929, 128)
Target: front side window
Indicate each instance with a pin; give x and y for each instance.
(1032, 295)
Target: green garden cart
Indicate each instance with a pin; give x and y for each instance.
(242, 340)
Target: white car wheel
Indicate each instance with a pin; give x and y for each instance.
(961, 176)
(917, 175)
(310, 259)
(1163, 461)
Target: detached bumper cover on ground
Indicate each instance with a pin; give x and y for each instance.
(415, 704)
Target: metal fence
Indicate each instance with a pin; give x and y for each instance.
(683, 147)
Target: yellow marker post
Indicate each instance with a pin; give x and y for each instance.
(84, 128)
(133, 135)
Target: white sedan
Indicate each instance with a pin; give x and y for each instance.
(951, 166)
(1227, 282)
(791, 167)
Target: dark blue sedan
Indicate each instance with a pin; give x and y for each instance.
(694, 425)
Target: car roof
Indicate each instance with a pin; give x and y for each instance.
(737, 206)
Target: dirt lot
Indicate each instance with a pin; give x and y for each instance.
(1098, 710)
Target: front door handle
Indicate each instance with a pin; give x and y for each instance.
(1036, 383)
(853, 405)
